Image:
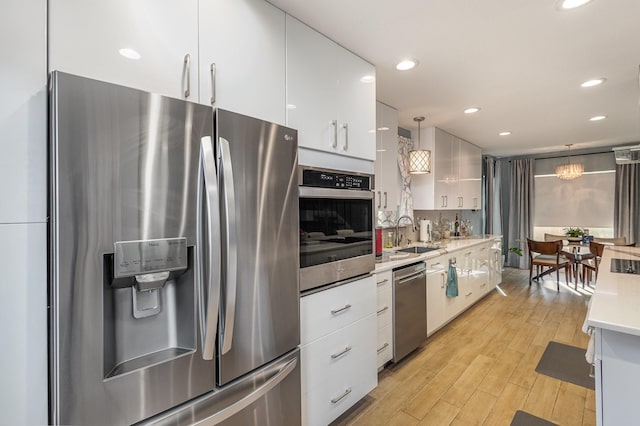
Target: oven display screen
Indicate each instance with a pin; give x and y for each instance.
(335, 180)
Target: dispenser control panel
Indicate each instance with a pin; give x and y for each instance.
(149, 256)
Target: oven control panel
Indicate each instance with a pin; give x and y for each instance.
(337, 180)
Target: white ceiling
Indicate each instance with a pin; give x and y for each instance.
(520, 61)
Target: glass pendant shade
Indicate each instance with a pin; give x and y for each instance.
(570, 170)
(419, 161)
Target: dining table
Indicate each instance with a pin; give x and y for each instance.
(576, 253)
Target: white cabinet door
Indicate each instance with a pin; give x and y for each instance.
(356, 105)
(385, 316)
(328, 100)
(312, 89)
(436, 282)
(23, 112)
(85, 38)
(470, 185)
(445, 171)
(23, 315)
(244, 41)
(387, 173)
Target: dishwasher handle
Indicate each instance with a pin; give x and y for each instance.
(411, 277)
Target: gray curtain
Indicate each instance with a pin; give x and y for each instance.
(626, 210)
(492, 198)
(520, 210)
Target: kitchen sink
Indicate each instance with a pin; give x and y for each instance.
(417, 249)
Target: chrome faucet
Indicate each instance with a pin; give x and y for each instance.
(397, 243)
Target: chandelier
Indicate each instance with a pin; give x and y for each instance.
(419, 159)
(570, 170)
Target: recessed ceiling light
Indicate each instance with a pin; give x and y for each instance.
(383, 128)
(572, 4)
(504, 133)
(598, 118)
(471, 110)
(406, 64)
(129, 53)
(594, 82)
(368, 79)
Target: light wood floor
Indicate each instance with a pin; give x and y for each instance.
(480, 369)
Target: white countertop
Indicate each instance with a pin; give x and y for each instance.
(615, 304)
(446, 246)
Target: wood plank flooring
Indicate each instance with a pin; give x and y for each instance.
(480, 368)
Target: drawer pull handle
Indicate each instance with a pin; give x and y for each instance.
(469, 294)
(339, 398)
(592, 370)
(339, 354)
(383, 310)
(483, 285)
(337, 311)
(386, 280)
(383, 347)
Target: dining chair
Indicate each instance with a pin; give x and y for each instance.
(617, 241)
(546, 254)
(592, 264)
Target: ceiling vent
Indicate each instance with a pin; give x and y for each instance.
(627, 154)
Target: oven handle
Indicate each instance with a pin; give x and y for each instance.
(347, 194)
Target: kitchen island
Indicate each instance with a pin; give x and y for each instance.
(614, 316)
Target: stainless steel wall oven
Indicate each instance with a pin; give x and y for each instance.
(336, 226)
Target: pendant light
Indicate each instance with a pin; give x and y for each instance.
(419, 159)
(569, 171)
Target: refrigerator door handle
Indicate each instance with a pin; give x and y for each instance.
(232, 247)
(243, 403)
(213, 277)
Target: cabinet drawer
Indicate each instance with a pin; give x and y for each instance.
(384, 311)
(383, 280)
(329, 310)
(331, 385)
(385, 344)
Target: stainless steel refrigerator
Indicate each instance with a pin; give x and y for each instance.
(173, 261)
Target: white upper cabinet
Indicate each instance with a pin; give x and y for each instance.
(86, 38)
(387, 174)
(23, 113)
(455, 182)
(330, 94)
(242, 57)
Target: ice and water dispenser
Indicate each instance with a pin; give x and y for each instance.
(149, 304)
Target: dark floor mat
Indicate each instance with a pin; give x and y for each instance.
(566, 363)
(525, 419)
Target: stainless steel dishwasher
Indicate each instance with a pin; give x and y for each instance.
(409, 309)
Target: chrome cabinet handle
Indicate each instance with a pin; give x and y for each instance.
(187, 68)
(383, 310)
(460, 201)
(345, 126)
(342, 352)
(475, 202)
(337, 311)
(379, 199)
(383, 347)
(412, 277)
(468, 294)
(483, 285)
(442, 201)
(446, 201)
(385, 199)
(337, 399)
(211, 256)
(443, 279)
(334, 123)
(231, 245)
(382, 282)
(212, 70)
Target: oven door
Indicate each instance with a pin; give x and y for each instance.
(336, 235)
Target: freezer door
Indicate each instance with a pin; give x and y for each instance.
(257, 169)
(269, 396)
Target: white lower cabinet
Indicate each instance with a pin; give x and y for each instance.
(385, 316)
(436, 287)
(338, 351)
